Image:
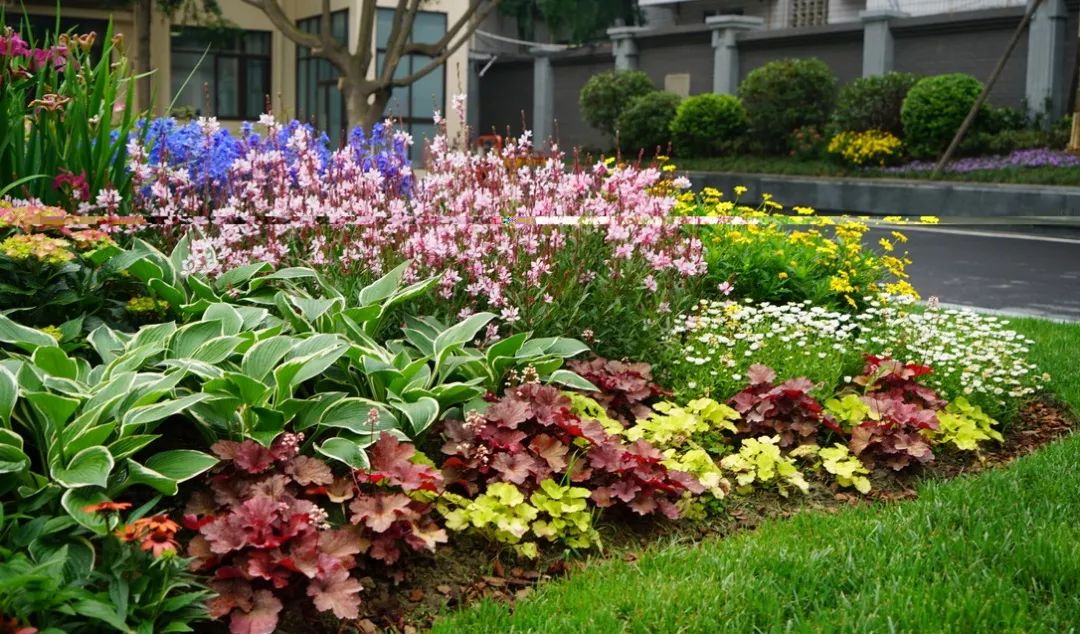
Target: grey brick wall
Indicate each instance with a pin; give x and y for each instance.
(838, 45)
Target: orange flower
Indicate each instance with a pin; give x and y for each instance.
(105, 507)
(158, 543)
(128, 533)
(159, 524)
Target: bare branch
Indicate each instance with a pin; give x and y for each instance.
(404, 17)
(322, 45)
(367, 31)
(433, 50)
(470, 21)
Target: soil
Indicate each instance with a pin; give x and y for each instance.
(471, 568)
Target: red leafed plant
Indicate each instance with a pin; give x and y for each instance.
(265, 539)
(626, 388)
(899, 410)
(531, 435)
(786, 410)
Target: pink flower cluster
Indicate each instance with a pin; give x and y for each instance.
(471, 219)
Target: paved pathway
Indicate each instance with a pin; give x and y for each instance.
(1027, 271)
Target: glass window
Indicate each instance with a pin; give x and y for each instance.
(318, 99)
(232, 81)
(413, 106)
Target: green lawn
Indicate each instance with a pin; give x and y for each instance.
(792, 167)
(995, 552)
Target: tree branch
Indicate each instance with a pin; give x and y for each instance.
(367, 31)
(472, 18)
(404, 17)
(322, 45)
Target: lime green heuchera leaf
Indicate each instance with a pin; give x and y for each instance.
(759, 460)
(964, 425)
(848, 469)
(849, 410)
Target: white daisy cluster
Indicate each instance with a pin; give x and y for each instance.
(715, 345)
(971, 354)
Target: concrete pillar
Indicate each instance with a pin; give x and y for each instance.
(877, 52)
(623, 46)
(472, 104)
(1046, 80)
(658, 16)
(726, 49)
(543, 123)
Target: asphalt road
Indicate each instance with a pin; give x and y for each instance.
(1032, 271)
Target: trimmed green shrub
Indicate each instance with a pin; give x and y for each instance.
(873, 103)
(785, 95)
(934, 109)
(646, 123)
(708, 124)
(604, 97)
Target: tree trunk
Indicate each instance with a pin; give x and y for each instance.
(144, 17)
(362, 106)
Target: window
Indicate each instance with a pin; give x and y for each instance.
(41, 28)
(234, 76)
(414, 105)
(809, 12)
(317, 96)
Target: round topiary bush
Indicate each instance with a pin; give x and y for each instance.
(604, 97)
(785, 95)
(646, 123)
(934, 109)
(707, 125)
(873, 103)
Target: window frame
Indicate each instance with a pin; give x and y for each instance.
(307, 105)
(242, 55)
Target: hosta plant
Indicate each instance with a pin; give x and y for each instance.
(760, 463)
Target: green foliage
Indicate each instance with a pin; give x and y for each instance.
(785, 95)
(646, 123)
(708, 124)
(934, 109)
(848, 410)
(759, 462)
(569, 20)
(606, 95)
(847, 469)
(873, 103)
(703, 420)
(71, 115)
(59, 577)
(965, 426)
(554, 512)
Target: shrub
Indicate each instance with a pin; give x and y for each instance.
(873, 103)
(934, 109)
(785, 95)
(606, 95)
(646, 123)
(870, 147)
(807, 144)
(707, 125)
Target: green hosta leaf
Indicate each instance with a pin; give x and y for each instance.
(12, 459)
(153, 413)
(410, 292)
(26, 338)
(155, 335)
(506, 347)
(181, 465)
(172, 294)
(103, 612)
(572, 380)
(106, 343)
(449, 394)
(9, 394)
(57, 409)
(10, 438)
(90, 437)
(217, 349)
(383, 287)
(89, 467)
(292, 273)
(234, 278)
(344, 450)
(262, 357)
(312, 309)
(459, 334)
(141, 474)
(54, 361)
(420, 413)
(201, 289)
(188, 338)
(295, 371)
(352, 414)
(231, 321)
(129, 446)
(75, 500)
(562, 347)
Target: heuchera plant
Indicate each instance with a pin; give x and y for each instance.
(532, 434)
(899, 414)
(626, 388)
(265, 539)
(786, 410)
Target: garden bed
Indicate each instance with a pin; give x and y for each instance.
(469, 571)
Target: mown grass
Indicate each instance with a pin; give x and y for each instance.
(793, 167)
(998, 552)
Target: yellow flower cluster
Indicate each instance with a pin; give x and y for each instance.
(145, 305)
(865, 148)
(34, 246)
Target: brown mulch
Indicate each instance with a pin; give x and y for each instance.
(471, 568)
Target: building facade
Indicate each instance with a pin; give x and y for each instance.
(235, 73)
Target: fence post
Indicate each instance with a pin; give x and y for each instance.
(877, 56)
(623, 47)
(1046, 80)
(725, 28)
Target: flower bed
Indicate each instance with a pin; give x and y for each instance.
(310, 376)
